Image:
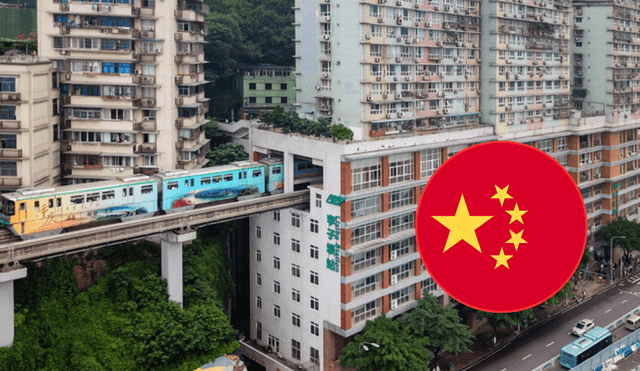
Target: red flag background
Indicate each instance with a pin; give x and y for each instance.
(554, 228)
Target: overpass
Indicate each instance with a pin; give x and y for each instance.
(171, 229)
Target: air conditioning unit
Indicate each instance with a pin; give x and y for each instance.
(279, 354)
(385, 95)
(327, 18)
(394, 280)
(380, 20)
(510, 123)
(399, 21)
(455, 91)
(388, 115)
(597, 176)
(394, 255)
(300, 366)
(317, 87)
(326, 37)
(408, 78)
(417, 6)
(67, 76)
(398, 59)
(396, 78)
(439, 43)
(436, 8)
(367, 36)
(508, 108)
(590, 162)
(146, 118)
(379, 78)
(106, 30)
(63, 52)
(398, 96)
(394, 304)
(427, 25)
(446, 111)
(325, 75)
(378, 59)
(369, 98)
(400, 114)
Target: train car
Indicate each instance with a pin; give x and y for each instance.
(183, 190)
(274, 177)
(31, 213)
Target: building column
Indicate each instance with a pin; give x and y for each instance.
(171, 244)
(7, 277)
(288, 172)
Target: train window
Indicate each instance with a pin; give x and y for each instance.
(228, 177)
(36, 205)
(77, 199)
(192, 182)
(50, 202)
(276, 170)
(257, 173)
(146, 189)
(93, 197)
(124, 192)
(240, 175)
(23, 206)
(172, 185)
(130, 191)
(217, 178)
(58, 202)
(205, 180)
(186, 182)
(107, 195)
(10, 208)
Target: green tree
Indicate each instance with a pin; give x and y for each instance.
(341, 132)
(564, 294)
(212, 131)
(226, 154)
(586, 257)
(506, 320)
(439, 327)
(397, 350)
(622, 227)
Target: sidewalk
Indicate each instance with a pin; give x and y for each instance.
(481, 347)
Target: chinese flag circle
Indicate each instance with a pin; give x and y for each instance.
(501, 227)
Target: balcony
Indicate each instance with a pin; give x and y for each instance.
(10, 125)
(10, 97)
(10, 153)
(145, 148)
(145, 102)
(145, 125)
(11, 182)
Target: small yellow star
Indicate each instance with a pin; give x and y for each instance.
(462, 226)
(501, 194)
(501, 259)
(516, 239)
(516, 214)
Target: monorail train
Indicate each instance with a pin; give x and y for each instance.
(31, 212)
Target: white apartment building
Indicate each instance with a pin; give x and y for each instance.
(131, 81)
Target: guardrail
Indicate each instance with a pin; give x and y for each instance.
(609, 352)
(112, 233)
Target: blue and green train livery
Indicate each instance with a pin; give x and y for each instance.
(31, 213)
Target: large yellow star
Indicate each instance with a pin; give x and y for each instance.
(462, 226)
(516, 239)
(501, 259)
(516, 214)
(501, 194)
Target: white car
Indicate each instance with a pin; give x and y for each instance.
(583, 326)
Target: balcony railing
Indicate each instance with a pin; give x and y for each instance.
(10, 125)
(10, 153)
(10, 182)
(11, 97)
(145, 148)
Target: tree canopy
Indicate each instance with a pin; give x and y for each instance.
(439, 327)
(506, 320)
(622, 227)
(226, 153)
(292, 122)
(397, 351)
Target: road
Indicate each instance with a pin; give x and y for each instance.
(544, 342)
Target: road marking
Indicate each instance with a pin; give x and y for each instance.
(568, 333)
(608, 310)
(551, 343)
(526, 357)
(635, 279)
(624, 301)
(504, 369)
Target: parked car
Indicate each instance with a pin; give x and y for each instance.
(583, 326)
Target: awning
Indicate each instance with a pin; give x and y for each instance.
(197, 146)
(195, 83)
(159, 40)
(82, 153)
(195, 105)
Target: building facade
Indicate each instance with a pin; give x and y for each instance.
(29, 123)
(266, 86)
(131, 82)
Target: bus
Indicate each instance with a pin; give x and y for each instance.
(585, 347)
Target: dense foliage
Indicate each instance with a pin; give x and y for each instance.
(291, 122)
(244, 32)
(622, 227)
(124, 322)
(226, 154)
(506, 320)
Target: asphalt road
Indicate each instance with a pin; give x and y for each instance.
(544, 342)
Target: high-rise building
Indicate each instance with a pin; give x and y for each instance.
(131, 84)
(29, 123)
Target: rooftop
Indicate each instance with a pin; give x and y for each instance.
(23, 59)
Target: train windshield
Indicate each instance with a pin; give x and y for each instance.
(8, 207)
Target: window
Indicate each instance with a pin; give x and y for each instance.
(561, 144)
(401, 272)
(267, 86)
(259, 330)
(252, 100)
(295, 295)
(403, 247)
(295, 270)
(314, 303)
(366, 233)
(252, 86)
(295, 349)
(258, 279)
(313, 252)
(365, 174)
(428, 286)
(430, 159)
(284, 100)
(258, 302)
(315, 329)
(365, 311)
(276, 215)
(268, 100)
(314, 355)
(401, 198)
(7, 84)
(258, 255)
(276, 287)
(364, 260)
(365, 285)
(400, 167)
(283, 86)
(7, 141)
(314, 278)
(318, 200)
(545, 145)
(295, 220)
(295, 319)
(7, 112)
(401, 223)
(276, 262)
(314, 226)
(402, 296)
(276, 311)
(258, 232)
(366, 206)
(276, 238)
(274, 343)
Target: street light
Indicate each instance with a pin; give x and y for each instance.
(366, 348)
(611, 255)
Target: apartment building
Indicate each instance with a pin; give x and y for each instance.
(29, 123)
(266, 86)
(131, 84)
